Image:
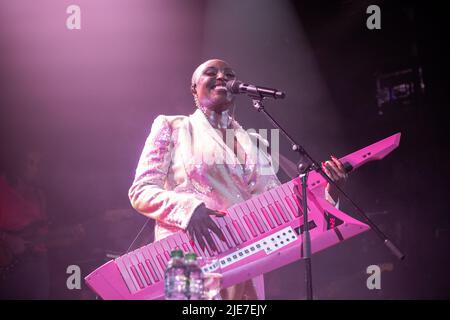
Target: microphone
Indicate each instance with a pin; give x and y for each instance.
(236, 87)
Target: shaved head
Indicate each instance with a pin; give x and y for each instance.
(201, 67)
(208, 85)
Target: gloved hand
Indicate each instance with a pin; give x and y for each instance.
(201, 225)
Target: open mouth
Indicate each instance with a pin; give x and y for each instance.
(219, 87)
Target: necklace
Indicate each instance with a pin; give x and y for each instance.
(218, 120)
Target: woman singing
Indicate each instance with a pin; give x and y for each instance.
(196, 166)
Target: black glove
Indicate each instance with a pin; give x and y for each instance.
(201, 224)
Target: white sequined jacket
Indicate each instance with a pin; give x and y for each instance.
(185, 162)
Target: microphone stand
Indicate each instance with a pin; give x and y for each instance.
(306, 165)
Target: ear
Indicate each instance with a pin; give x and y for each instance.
(193, 88)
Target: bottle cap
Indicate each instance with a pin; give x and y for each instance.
(176, 253)
(191, 256)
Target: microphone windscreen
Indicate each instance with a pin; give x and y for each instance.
(233, 86)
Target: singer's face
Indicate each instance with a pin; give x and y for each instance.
(210, 80)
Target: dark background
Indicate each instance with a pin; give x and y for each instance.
(87, 98)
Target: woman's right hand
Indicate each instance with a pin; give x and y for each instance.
(201, 224)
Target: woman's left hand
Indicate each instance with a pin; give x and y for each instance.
(336, 171)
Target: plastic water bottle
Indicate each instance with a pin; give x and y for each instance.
(195, 277)
(175, 280)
